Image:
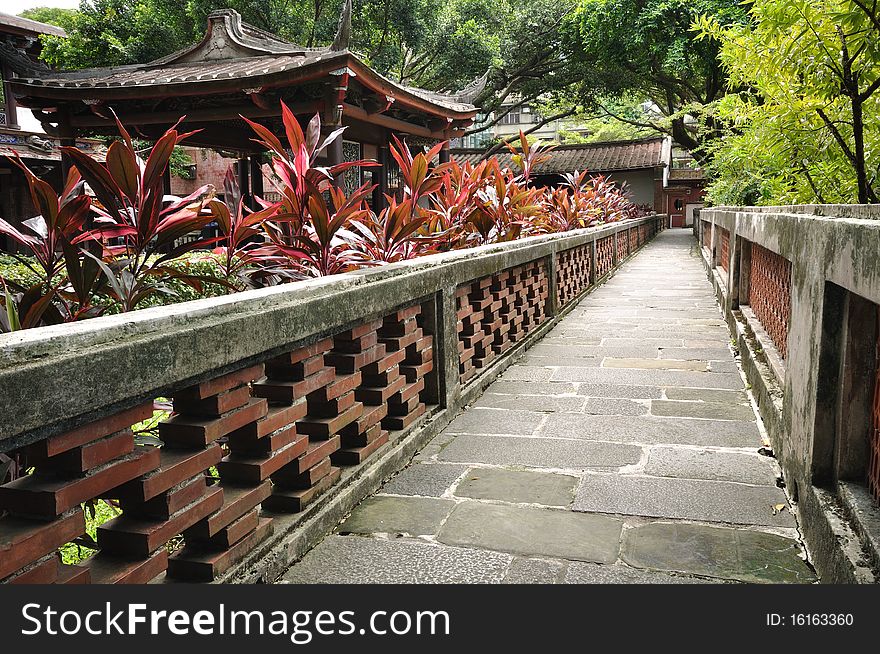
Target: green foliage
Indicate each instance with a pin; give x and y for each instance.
(118, 32)
(13, 270)
(605, 127)
(199, 263)
(63, 18)
(806, 129)
(97, 512)
(646, 49)
(179, 161)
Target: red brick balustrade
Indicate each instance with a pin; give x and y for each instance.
(604, 256)
(705, 233)
(770, 294)
(724, 254)
(496, 312)
(622, 245)
(572, 273)
(274, 433)
(240, 449)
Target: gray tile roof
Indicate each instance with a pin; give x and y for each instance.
(230, 50)
(27, 25)
(594, 157)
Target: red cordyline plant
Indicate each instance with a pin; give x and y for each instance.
(391, 236)
(581, 202)
(315, 229)
(529, 155)
(241, 233)
(67, 283)
(305, 236)
(138, 225)
(403, 230)
(325, 245)
(503, 208)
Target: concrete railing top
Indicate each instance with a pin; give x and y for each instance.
(116, 361)
(863, 211)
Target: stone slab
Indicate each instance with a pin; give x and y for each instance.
(652, 430)
(534, 571)
(593, 573)
(561, 360)
(654, 364)
(719, 552)
(425, 479)
(699, 353)
(537, 403)
(539, 452)
(711, 464)
(648, 377)
(518, 486)
(707, 410)
(614, 407)
(684, 499)
(707, 395)
(533, 531)
(495, 421)
(533, 388)
(527, 373)
(359, 560)
(416, 516)
(619, 391)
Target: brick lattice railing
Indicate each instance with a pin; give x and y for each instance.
(496, 312)
(604, 256)
(724, 254)
(573, 273)
(622, 245)
(706, 234)
(273, 395)
(770, 294)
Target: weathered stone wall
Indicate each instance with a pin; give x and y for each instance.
(817, 270)
(290, 404)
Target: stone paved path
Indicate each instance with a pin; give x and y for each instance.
(622, 448)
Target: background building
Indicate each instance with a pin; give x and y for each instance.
(20, 131)
(653, 171)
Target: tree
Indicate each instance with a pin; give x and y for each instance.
(62, 18)
(646, 48)
(440, 45)
(119, 32)
(807, 128)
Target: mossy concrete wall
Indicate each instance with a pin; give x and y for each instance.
(826, 245)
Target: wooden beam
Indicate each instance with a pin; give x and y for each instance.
(380, 175)
(256, 177)
(199, 115)
(395, 124)
(67, 135)
(244, 186)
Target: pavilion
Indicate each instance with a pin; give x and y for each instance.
(239, 70)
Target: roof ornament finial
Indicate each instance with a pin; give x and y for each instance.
(343, 32)
(473, 90)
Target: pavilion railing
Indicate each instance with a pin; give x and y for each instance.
(800, 287)
(219, 429)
